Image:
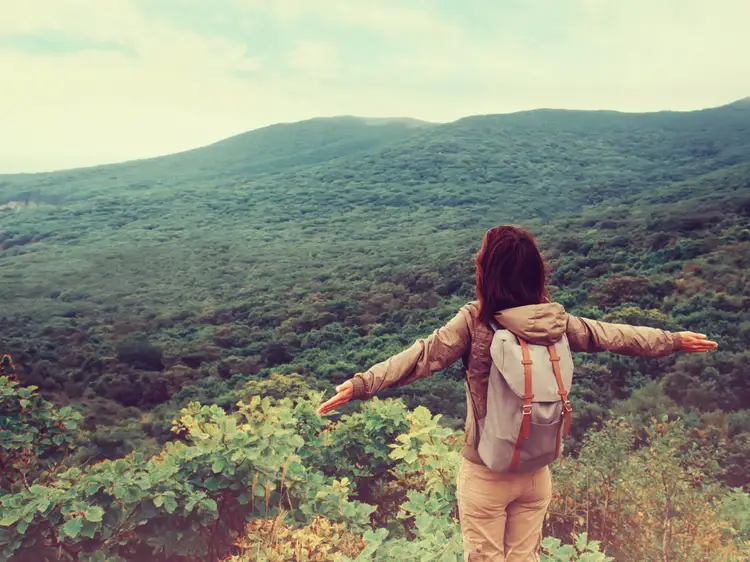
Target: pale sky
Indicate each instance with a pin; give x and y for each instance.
(86, 82)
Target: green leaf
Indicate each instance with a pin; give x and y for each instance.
(89, 529)
(170, 505)
(377, 536)
(10, 518)
(209, 505)
(397, 453)
(423, 520)
(72, 527)
(21, 527)
(551, 543)
(94, 514)
(159, 501)
(218, 466)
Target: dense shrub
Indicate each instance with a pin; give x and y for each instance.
(249, 486)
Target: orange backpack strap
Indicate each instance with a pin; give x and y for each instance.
(528, 397)
(567, 408)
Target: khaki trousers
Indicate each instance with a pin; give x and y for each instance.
(501, 514)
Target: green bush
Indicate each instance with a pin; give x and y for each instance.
(269, 477)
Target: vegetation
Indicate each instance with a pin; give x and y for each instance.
(259, 484)
(276, 264)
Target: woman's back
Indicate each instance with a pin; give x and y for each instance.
(501, 515)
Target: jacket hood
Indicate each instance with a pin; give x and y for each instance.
(539, 324)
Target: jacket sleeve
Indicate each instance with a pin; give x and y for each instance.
(426, 356)
(593, 336)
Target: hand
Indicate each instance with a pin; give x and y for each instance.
(344, 393)
(696, 343)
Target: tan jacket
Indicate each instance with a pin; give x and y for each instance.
(466, 338)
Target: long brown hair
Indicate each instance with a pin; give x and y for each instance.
(510, 271)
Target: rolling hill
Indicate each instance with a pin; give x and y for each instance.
(267, 150)
(241, 255)
(280, 261)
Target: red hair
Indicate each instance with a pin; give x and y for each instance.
(510, 271)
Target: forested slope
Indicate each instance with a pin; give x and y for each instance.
(320, 248)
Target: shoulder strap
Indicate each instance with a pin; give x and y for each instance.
(528, 397)
(567, 408)
(528, 394)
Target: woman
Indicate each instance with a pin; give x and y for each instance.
(501, 515)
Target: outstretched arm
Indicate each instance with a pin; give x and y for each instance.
(426, 356)
(589, 335)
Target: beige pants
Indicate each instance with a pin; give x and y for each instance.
(501, 515)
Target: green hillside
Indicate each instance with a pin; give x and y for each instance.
(268, 150)
(313, 250)
(242, 272)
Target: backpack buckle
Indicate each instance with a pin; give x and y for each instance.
(526, 409)
(567, 407)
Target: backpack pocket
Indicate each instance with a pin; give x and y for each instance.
(541, 448)
(496, 451)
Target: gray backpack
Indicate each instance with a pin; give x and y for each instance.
(528, 412)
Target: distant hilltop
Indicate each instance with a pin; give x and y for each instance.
(260, 149)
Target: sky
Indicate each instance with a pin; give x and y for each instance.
(86, 82)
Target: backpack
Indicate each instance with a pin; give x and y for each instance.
(528, 411)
